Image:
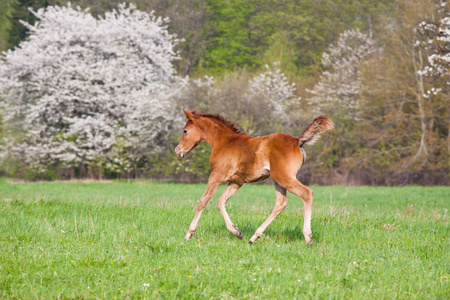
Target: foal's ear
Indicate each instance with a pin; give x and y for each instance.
(189, 116)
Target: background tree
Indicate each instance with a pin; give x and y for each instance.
(434, 39)
(87, 92)
(269, 96)
(340, 86)
(401, 128)
(339, 94)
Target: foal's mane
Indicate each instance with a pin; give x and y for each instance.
(221, 119)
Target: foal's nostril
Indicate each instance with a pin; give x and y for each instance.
(179, 151)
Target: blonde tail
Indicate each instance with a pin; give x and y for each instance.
(312, 133)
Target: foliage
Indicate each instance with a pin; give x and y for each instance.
(307, 27)
(389, 131)
(225, 35)
(230, 46)
(6, 12)
(390, 102)
(88, 91)
(19, 12)
(411, 126)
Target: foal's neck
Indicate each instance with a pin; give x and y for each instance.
(216, 133)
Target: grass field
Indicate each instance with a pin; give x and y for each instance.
(125, 240)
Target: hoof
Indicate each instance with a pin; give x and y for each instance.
(310, 244)
(240, 235)
(252, 241)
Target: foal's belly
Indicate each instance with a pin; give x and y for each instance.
(239, 178)
(261, 176)
(249, 175)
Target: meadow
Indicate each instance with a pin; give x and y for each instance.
(122, 239)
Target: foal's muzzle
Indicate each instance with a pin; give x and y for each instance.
(180, 152)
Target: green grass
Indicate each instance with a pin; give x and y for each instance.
(125, 239)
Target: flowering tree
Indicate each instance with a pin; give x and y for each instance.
(436, 41)
(273, 88)
(89, 91)
(340, 85)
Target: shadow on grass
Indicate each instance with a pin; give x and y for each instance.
(286, 228)
(279, 235)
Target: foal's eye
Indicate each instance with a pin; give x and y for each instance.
(185, 131)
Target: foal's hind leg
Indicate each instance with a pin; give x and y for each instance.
(280, 205)
(229, 191)
(211, 188)
(306, 194)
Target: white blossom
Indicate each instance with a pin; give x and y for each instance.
(206, 82)
(272, 86)
(436, 41)
(340, 85)
(87, 90)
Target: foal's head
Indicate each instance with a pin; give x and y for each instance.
(192, 135)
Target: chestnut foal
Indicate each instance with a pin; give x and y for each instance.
(238, 158)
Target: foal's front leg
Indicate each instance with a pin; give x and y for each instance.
(211, 188)
(229, 191)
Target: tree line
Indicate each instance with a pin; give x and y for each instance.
(378, 68)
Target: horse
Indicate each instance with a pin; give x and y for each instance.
(237, 158)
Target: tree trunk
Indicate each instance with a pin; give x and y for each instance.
(91, 172)
(421, 157)
(72, 173)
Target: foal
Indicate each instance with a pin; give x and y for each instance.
(238, 158)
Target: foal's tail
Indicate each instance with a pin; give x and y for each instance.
(312, 133)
